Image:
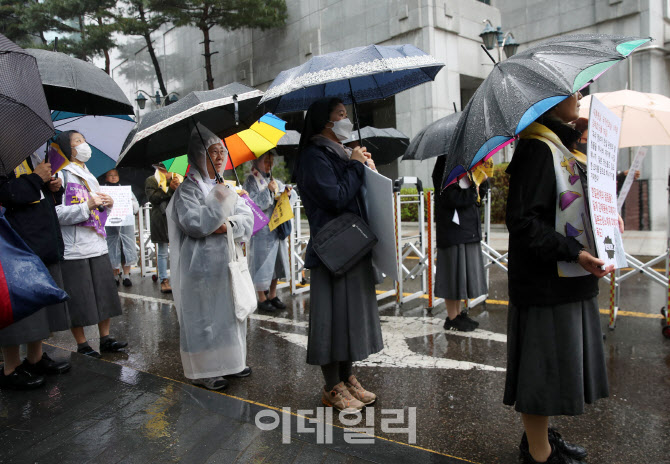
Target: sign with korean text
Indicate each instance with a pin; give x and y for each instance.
(122, 211)
(603, 148)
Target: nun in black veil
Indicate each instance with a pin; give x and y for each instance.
(344, 321)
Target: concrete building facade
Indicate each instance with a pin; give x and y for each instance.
(447, 29)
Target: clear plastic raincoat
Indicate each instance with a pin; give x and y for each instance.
(212, 340)
(268, 256)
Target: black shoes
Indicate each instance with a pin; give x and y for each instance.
(266, 306)
(46, 366)
(277, 303)
(469, 319)
(573, 451)
(112, 346)
(127, 282)
(459, 323)
(20, 379)
(88, 351)
(245, 373)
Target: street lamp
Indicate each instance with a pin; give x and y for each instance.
(141, 100)
(495, 38)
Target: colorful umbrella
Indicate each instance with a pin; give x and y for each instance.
(261, 137)
(178, 165)
(522, 88)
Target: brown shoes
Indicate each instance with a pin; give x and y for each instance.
(360, 393)
(340, 399)
(165, 286)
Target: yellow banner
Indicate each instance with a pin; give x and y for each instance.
(22, 169)
(283, 211)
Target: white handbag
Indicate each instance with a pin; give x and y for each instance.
(244, 293)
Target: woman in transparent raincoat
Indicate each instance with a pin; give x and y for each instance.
(212, 339)
(268, 253)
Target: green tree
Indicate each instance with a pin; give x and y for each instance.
(142, 18)
(228, 14)
(27, 22)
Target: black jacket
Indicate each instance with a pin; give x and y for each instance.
(454, 198)
(159, 202)
(36, 223)
(534, 245)
(329, 186)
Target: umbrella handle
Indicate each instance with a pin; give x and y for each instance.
(358, 123)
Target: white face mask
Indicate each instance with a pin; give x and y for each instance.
(83, 152)
(342, 128)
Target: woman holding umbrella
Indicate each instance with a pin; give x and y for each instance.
(343, 320)
(201, 213)
(555, 360)
(268, 253)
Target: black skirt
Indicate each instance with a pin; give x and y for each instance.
(460, 272)
(555, 358)
(92, 289)
(343, 315)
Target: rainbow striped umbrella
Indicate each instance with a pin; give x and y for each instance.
(251, 143)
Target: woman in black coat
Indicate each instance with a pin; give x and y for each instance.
(344, 321)
(30, 195)
(460, 266)
(555, 359)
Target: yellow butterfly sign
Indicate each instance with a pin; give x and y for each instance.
(282, 212)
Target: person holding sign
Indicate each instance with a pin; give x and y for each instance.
(212, 338)
(268, 255)
(87, 272)
(460, 266)
(344, 321)
(555, 359)
(121, 239)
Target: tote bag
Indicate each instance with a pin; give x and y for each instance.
(244, 293)
(25, 283)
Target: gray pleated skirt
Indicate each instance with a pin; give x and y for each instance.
(38, 326)
(343, 315)
(555, 358)
(93, 294)
(460, 272)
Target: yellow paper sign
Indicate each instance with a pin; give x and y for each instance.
(22, 169)
(483, 171)
(282, 212)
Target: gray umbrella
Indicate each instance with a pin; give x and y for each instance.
(433, 140)
(77, 86)
(25, 119)
(164, 133)
(288, 144)
(385, 145)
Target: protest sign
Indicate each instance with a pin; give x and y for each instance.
(122, 211)
(603, 148)
(283, 211)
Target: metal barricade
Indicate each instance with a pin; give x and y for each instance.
(297, 246)
(147, 253)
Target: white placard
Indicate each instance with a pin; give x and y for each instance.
(379, 202)
(625, 188)
(122, 211)
(603, 148)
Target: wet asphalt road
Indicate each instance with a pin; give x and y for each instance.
(454, 381)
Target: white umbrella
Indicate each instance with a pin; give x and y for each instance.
(645, 117)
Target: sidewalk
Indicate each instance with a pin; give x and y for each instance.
(102, 412)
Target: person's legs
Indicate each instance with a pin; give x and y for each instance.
(273, 289)
(34, 351)
(331, 374)
(162, 260)
(10, 354)
(103, 327)
(453, 307)
(79, 336)
(261, 296)
(455, 320)
(538, 438)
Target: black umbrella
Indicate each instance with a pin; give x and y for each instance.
(385, 145)
(433, 140)
(25, 119)
(164, 133)
(77, 86)
(521, 88)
